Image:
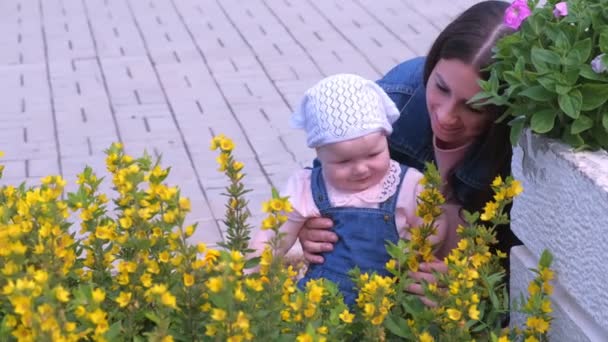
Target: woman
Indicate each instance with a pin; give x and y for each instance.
(437, 124)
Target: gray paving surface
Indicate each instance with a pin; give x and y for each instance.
(166, 75)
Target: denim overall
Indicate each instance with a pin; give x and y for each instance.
(363, 234)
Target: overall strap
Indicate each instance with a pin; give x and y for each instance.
(391, 203)
(319, 191)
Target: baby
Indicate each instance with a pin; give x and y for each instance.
(370, 198)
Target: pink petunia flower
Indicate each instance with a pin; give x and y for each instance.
(517, 13)
(561, 9)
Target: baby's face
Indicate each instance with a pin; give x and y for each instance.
(357, 164)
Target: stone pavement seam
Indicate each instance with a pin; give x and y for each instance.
(50, 87)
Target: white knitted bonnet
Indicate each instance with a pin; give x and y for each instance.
(344, 107)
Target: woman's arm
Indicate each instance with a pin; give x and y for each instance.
(316, 237)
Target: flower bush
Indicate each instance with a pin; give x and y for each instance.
(131, 275)
(551, 73)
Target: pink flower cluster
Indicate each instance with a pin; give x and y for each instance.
(517, 13)
(519, 10)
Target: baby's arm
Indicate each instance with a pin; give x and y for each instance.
(410, 190)
(298, 191)
(290, 231)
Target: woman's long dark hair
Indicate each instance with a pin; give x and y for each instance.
(470, 39)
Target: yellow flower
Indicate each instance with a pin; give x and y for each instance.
(98, 295)
(489, 211)
(546, 274)
(11, 321)
(126, 222)
(164, 256)
(239, 294)
(201, 248)
(169, 300)
(237, 166)
(426, 337)
(315, 293)
(189, 230)
(474, 312)
(167, 338)
(188, 279)
(546, 306)
(537, 324)
(254, 284)
(269, 222)
(503, 339)
(80, 311)
(391, 265)
(226, 145)
(184, 204)
(218, 315)
(215, 284)
(146, 279)
(304, 338)
(215, 142)
(533, 288)
(548, 288)
(454, 314)
(97, 316)
(497, 181)
(454, 288)
(62, 294)
(515, 189)
(123, 299)
(531, 339)
(169, 217)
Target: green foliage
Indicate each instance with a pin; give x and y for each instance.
(543, 74)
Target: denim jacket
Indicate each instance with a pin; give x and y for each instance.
(411, 140)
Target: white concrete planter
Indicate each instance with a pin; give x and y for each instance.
(564, 208)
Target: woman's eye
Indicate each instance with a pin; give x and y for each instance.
(476, 110)
(442, 88)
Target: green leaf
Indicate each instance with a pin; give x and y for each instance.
(581, 124)
(546, 56)
(537, 93)
(600, 135)
(571, 104)
(604, 40)
(589, 74)
(275, 193)
(594, 95)
(546, 258)
(547, 82)
(252, 262)
(153, 317)
(605, 121)
(398, 326)
(584, 48)
(562, 90)
(579, 53)
(517, 126)
(573, 140)
(543, 121)
(480, 97)
(114, 331)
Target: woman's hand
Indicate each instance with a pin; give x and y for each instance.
(425, 273)
(316, 237)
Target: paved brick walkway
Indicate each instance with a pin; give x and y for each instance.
(165, 75)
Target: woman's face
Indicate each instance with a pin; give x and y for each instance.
(454, 122)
